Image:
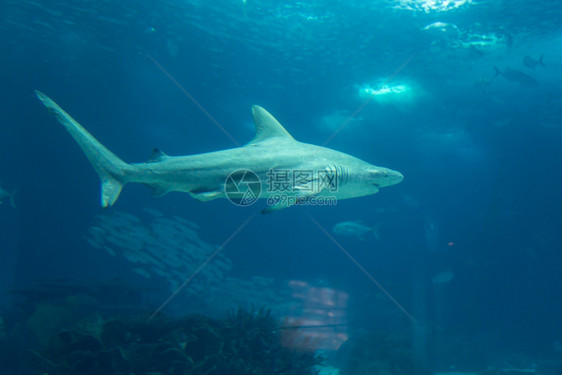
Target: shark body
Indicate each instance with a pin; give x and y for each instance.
(204, 176)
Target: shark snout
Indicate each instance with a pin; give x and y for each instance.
(396, 177)
(386, 177)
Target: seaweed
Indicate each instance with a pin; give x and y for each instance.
(245, 342)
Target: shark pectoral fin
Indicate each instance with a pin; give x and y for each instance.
(302, 196)
(274, 208)
(206, 195)
(110, 190)
(279, 204)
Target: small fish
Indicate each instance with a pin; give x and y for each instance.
(529, 62)
(6, 195)
(516, 76)
(355, 228)
(441, 26)
(443, 277)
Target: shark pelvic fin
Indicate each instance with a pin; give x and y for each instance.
(267, 126)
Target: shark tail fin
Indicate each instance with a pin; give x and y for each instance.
(113, 172)
(497, 71)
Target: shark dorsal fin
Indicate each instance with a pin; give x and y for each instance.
(267, 126)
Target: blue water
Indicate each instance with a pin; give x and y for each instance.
(480, 154)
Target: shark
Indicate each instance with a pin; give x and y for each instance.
(208, 176)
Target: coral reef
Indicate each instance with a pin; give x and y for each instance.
(246, 342)
(256, 291)
(79, 311)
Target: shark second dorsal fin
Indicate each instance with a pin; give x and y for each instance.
(267, 126)
(157, 156)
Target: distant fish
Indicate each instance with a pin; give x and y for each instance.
(531, 63)
(516, 76)
(443, 277)
(6, 195)
(355, 228)
(157, 246)
(441, 26)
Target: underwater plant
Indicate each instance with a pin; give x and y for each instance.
(245, 342)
